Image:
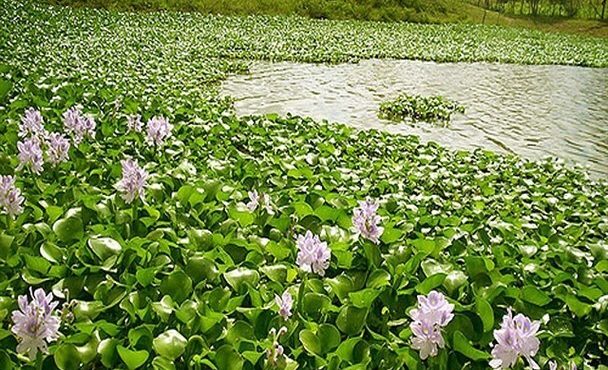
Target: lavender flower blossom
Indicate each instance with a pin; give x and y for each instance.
(58, 147)
(285, 302)
(515, 338)
(158, 129)
(427, 339)
(256, 200)
(366, 220)
(10, 196)
(433, 313)
(313, 255)
(32, 124)
(133, 181)
(35, 323)
(78, 125)
(30, 155)
(134, 123)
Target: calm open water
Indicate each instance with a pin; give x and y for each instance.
(533, 111)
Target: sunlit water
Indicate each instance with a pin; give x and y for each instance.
(534, 111)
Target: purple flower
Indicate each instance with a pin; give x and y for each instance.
(78, 125)
(57, 148)
(133, 181)
(313, 255)
(35, 323)
(256, 200)
(427, 338)
(433, 313)
(366, 220)
(515, 338)
(134, 123)
(10, 196)
(285, 302)
(30, 154)
(434, 309)
(158, 129)
(32, 124)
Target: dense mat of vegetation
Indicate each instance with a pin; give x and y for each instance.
(407, 107)
(140, 44)
(187, 276)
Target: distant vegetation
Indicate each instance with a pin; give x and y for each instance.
(380, 10)
(586, 9)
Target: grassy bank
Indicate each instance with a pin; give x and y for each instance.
(186, 277)
(377, 10)
(420, 11)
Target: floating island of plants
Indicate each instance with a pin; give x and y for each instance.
(143, 225)
(416, 108)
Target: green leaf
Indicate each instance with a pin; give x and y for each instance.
(170, 344)
(310, 342)
(68, 229)
(104, 248)
(463, 346)
(364, 298)
(5, 88)
(535, 296)
(133, 359)
(67, 357)
(226, 358)
(486, 313)
(329, 337)
(351, 320)
(241, 277)
(430, 283)
(178, 285)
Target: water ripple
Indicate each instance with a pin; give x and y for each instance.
(533, 111)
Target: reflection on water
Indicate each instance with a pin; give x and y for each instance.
(533, 111)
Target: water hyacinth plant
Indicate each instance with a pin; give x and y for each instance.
(419, 108)
(30, 155)
(261, 200)
(191, 282)
(58, 147)
(157, 130)
(285, 302)
(133, 182)
(11, 200)
(432, 314)
(313, 255)
(515, 339)
(366, 221)
(36, 323)
(32, 124)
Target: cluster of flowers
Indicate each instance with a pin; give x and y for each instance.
(133, 181)
(433, 313)
(515, 338)
(11, 200)
(35, 137)
(259, 200)
(35, 323)
(158, 129)
(366, 221)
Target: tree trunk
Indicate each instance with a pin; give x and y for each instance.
(604, 8)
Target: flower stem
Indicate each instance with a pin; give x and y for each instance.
(301, 292)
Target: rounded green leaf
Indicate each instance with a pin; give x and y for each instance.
(170, 344)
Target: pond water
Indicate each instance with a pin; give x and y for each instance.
(533, 111)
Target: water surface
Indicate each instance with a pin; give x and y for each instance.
(533, 111)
